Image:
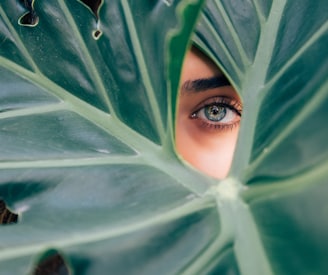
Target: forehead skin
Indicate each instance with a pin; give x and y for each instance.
(198, 65)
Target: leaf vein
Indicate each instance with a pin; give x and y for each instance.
(145, 71)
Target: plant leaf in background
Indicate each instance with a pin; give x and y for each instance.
(83, 130)
(87, 157)
(275, 54)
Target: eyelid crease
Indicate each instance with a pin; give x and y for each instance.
(203, 84)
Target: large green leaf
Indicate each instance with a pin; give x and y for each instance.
(87, 138)
(275, 53)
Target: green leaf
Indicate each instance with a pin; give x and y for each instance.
(87, 129)
(275, 54)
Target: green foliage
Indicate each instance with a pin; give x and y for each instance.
(87, 154)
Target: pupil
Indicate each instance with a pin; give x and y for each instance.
(215, 112)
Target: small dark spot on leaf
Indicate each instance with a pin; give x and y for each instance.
(29, 18)
(6, 216)
(97, 34)
(52, 264)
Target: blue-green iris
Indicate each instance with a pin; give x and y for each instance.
(215, 112)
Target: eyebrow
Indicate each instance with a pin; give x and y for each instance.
(203, 84)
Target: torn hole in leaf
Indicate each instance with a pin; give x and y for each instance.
(94, 7)
(30, 18)
(6, 216)
(51, 263)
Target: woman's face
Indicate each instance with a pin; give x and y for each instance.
(208, 116)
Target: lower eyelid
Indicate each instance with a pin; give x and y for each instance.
(217, 127)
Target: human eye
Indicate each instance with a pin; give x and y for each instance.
(218, 113)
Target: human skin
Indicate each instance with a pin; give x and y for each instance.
(208, 116)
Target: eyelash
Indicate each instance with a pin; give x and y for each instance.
(221, 102)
